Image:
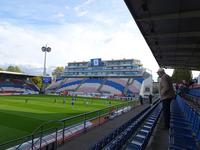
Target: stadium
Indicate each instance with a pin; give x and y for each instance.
(103, 87)
(112, 104)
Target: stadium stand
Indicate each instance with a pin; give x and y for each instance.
(122, 81)
(15, 84)
(55, 85)
(112, 86)
(122, 77)
(110, 89)
(88, 87)
(69, 84)
(133, 89)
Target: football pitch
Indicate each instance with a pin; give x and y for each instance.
(21, 115)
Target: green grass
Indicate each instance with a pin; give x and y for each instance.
(20, 118)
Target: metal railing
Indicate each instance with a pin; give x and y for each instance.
(53, 133)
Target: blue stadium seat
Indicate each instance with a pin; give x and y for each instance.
(123, 133)
(142, 137)
(184, 125)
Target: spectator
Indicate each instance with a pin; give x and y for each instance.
(166, 95)
(183, 89)
(150, 98)
(141, 99)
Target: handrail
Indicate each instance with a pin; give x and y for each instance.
(45, 123)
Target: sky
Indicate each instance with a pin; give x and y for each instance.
(76, 30)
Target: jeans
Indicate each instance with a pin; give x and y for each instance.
(166, 111)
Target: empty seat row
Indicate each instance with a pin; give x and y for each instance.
(195, 100)
(106, 140)
(184, 126)
(119, 136)
(142, 136)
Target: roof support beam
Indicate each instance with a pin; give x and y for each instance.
(173, 35)
(175, 54)
(179, 62)
(177, 46)
(186, 14)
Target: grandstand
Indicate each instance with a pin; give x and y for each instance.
(171, 30)
(106, 78)
(12, 83)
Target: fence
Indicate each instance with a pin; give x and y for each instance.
(53, 133)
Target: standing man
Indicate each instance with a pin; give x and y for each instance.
(166, 94)
(141, 99)
(150, 98)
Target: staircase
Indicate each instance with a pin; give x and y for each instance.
(80, 84)
(100, 87)
(129, 82)
(62, 82)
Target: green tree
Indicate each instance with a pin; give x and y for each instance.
(57, 72)
(181, 74)
(1, 69)
(37, 81)
(13, 69)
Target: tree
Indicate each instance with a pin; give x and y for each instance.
(182, 74)
(13, 69)
(57, 72)
(37, 81)
(1, 69)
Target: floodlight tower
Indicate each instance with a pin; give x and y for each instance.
(45, 49)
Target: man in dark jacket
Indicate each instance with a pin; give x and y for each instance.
(141, 100)
(150, 98)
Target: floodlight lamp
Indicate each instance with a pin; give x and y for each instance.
(48, 49)
(43, 49)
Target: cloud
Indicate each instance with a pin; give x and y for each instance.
(59, 15)
(67, 7)
(72, 42)
(80, 9)
(89, 2)
(102, 18)
(80, 12)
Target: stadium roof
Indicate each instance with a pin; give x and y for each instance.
(171, 29)
(16, 74)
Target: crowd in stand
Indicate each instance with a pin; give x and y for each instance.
(17, 86)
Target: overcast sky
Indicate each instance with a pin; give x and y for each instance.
(76, 30)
